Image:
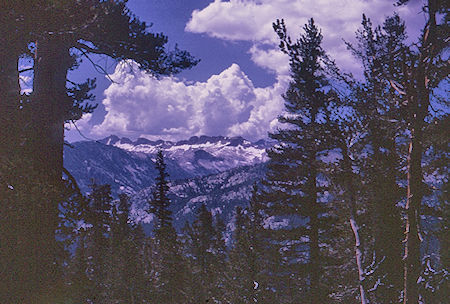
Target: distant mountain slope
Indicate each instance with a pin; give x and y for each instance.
(200, 155)
(216, 171)
(126, 172)
(128, 166)
(220, 192)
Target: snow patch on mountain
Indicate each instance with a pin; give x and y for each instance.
(221, 192)
(200, 155)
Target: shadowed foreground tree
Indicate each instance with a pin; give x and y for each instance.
(294, 188)
(376, 138)
(58, 33)
(413, 74)
(423, 69)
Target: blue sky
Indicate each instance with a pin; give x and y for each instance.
(236, 88)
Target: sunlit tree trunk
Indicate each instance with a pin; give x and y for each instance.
(414, 198)
(347, 168)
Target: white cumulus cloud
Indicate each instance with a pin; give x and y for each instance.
(251, 20)
(139, 104)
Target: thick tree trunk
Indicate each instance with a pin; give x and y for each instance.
(12, 45)
(418, 98)
(418, 101)
(52, 61)
(51, 102)
(9, 97)
(12, 207)
(387, 219)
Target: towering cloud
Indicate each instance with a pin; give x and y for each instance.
(251, 20)
(139, 104)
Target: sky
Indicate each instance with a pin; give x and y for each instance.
(236, 88)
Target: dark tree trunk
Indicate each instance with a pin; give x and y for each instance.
(51, 102)
(45, 144)
(418, 97)
(9, 97)
(12, 251)
(418, 101)
(12, 44)
(315, 260)
(314, 244)
(387, 220)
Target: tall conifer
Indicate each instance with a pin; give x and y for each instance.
(205, 249)
(295, 192)
(169, 267)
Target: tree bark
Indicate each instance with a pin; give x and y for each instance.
(314, 220)
(387, 221)
(51, 102)
(314, 254)
(12, 44)
(12, 252)
(347, 168)
(418, 97)
(9, 97)
(412, 241)
(52, 61)
(358, 255)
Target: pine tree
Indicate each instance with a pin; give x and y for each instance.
(77, 29)
(435, 276)
(348, 193)
(107, 264)
(249, 259)
(58, 32)
(126, 275)
(424, 68)
(376, 139)
(101, 204)
(14, 39)
(76, 229)
(295, 179)
(159, 205)
(205, 249)
(169, 268)
(88, 268)
(26, 269)
(411, 73)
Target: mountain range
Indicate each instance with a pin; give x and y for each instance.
(217, 171)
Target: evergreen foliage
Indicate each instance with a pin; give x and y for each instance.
(375, 110)
(249, 259)
(56, 35)
(205, 250)
(295, 186)
(169, 276)
(159, 204)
